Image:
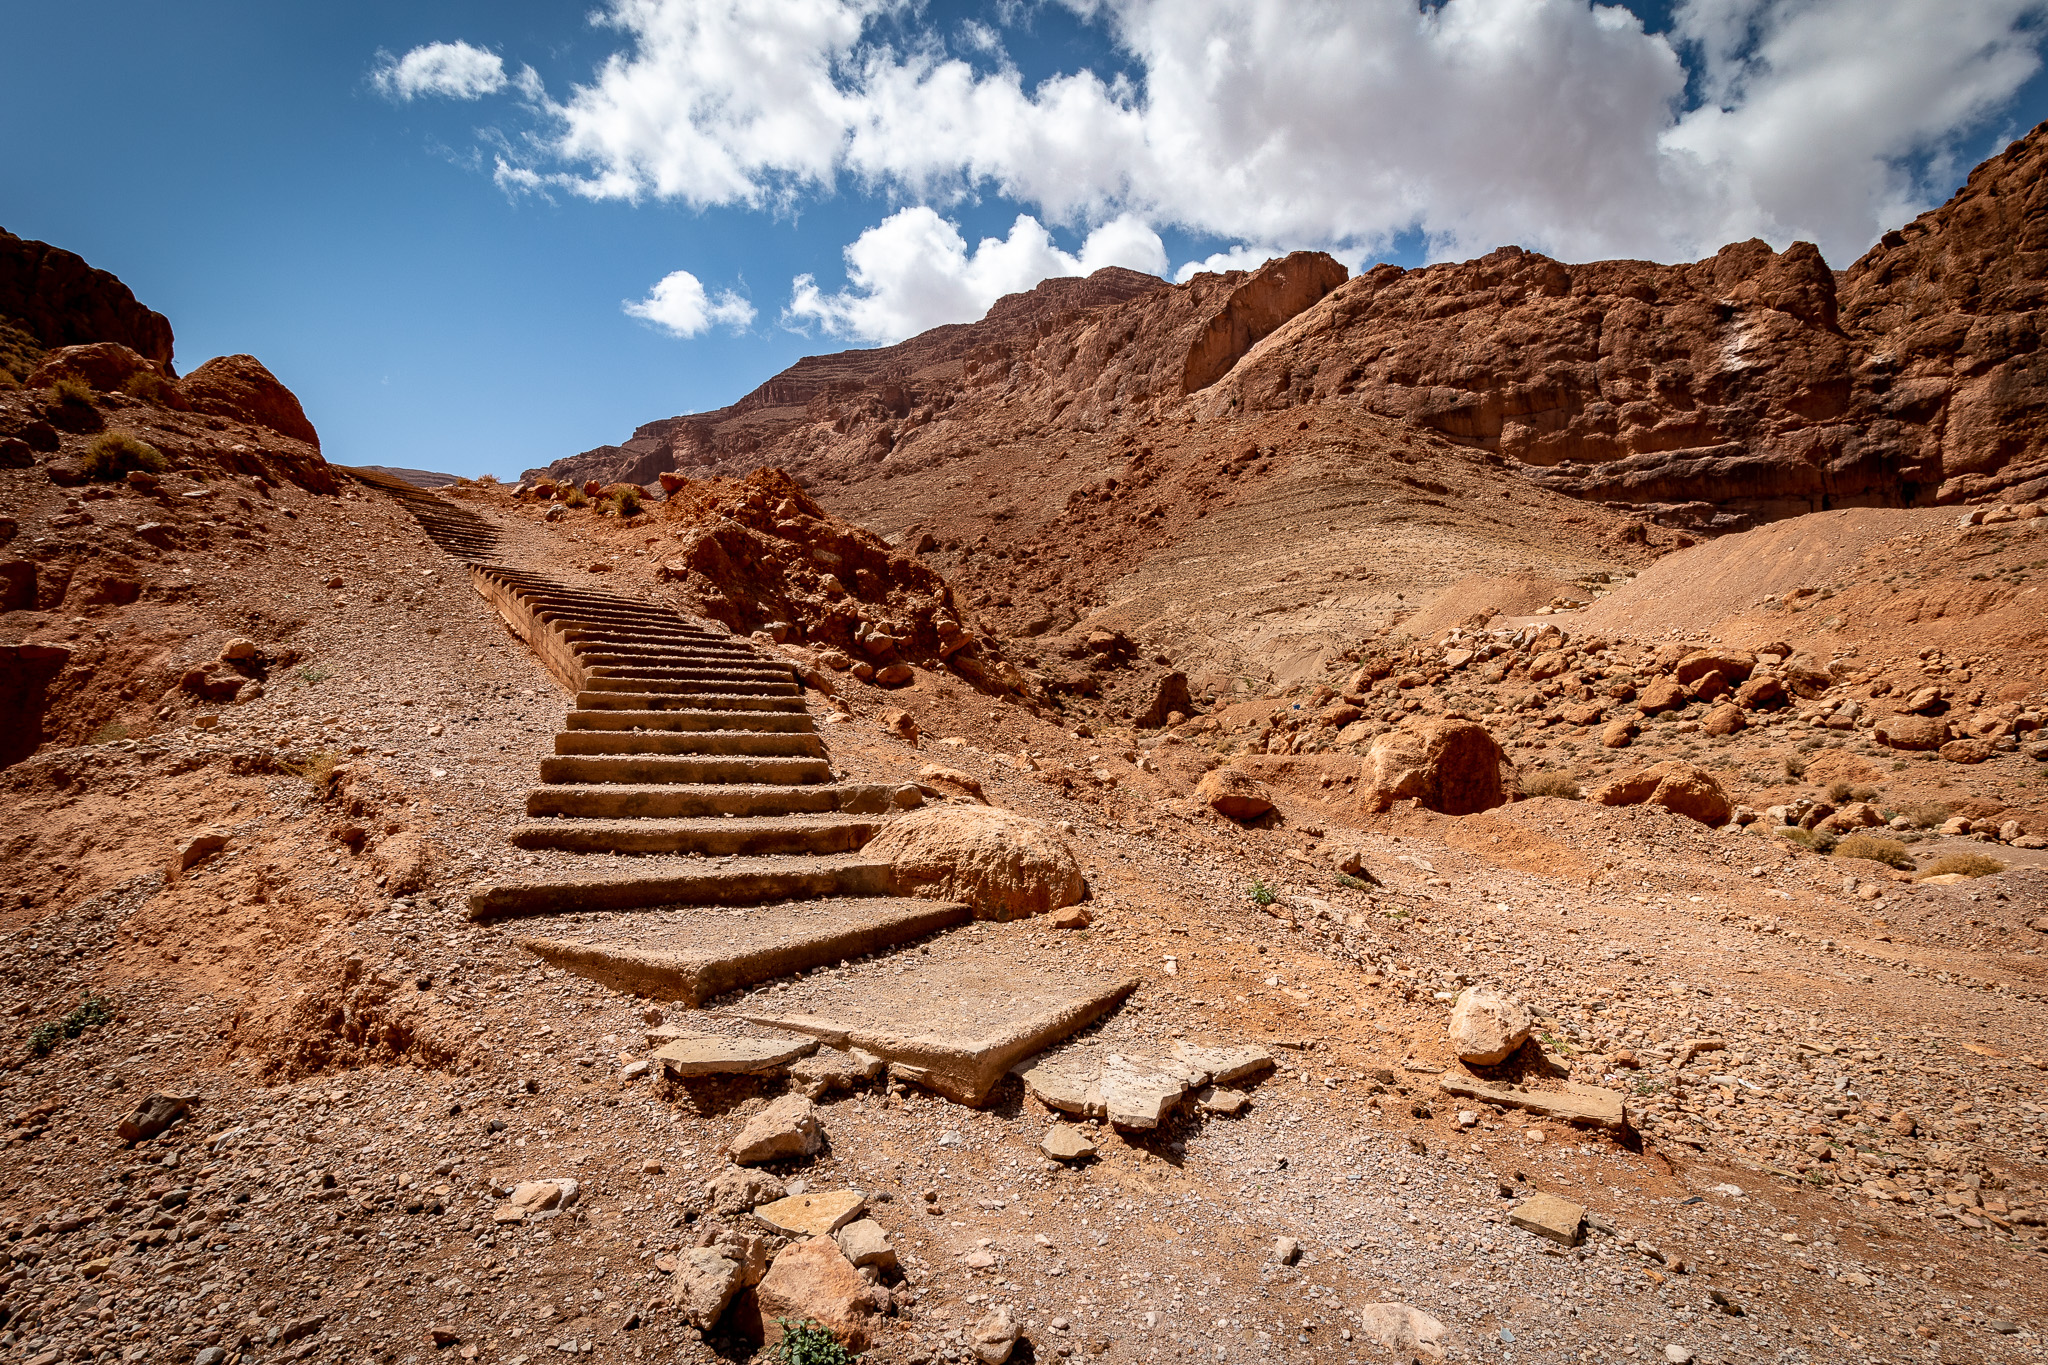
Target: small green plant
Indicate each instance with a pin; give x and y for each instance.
(1890, 852)
(92, 1012)
(576, 498)
(1550, 782)
(806, 1343)
(1969, 864)
(1819, 840)
(70, 393)
(113, 454)
(1351, 883)
(1261, 894)
(314, 675)
(1795, 766)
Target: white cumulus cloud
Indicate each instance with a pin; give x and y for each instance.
(1556, 124)
(914, 271)
(679, 305)
(454, 70)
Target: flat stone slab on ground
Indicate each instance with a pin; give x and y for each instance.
(1064, 1142)
(1547, 1215)
(952, 1020)
(1574, 1103)
(812, 1214)
(714, 1054)
(691, 954)
(1132, 1089)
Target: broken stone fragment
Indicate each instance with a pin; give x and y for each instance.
(739, 1190)
(197, 848)
(535, 1199)
(811, 1214)
(1064, 1142)
(1286, 1250)
(704, 1283)
(1222, 1065)
(153, 1116)
(714, 1054)
(1547, 1215)
(995, 1337)
(831, 1068)
(1409, 1333)
(788, 1127)
(1216, 1100)
(813, 1281)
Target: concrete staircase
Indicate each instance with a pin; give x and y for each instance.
(457, 530)
(691, 750)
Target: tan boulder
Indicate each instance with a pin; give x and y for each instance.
(737, 1190)
(1618, 734)
(901, 724)
(1966, 751)
(1911, 732)
(703, 1284)
(1583, 713)
(999, 864)
(1709, 687)
(1233, 794)
(1732, 665)
(1487, 1027)
(952, 780)
(1452, 766)
(103, 365)
(812, 1281)
(1758, 692)
(1679, 787)
(239, 386)
(1723, 720)
(1663, 694)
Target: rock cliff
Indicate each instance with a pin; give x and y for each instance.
(62, 301)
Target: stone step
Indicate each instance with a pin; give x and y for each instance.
(606, 700)
(723, 742)
(954, 1018)
(691, 956)
(679, 768)
(665, 658)
(626, 801)
(779, 722)
(713, 836)
(743, 881)
(688, 672)
(694, 687)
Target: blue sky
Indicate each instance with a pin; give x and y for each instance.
(435, 253)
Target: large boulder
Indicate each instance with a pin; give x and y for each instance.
(239, 386)
(103, 365)
(1233, 794)
(1912, 732)
(1169, 695)
(1487, 1027)
(1732, 665)
(1679, 787)
(1451, 766)
(812, 1281)
(1663, 694)
(999, 864)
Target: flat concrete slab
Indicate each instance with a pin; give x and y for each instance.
(692, 954)
(715, 1054)
(956, 1020)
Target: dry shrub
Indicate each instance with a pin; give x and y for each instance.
(1890, 852)
(1926, 814)
(1550, 782)
(114, 453)
(1969, 864)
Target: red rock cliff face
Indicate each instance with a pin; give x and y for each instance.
(66, 302)
(1752, 384)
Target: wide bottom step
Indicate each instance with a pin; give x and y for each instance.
(681, 801)
(692, 955)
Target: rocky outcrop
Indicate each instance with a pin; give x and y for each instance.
(1679, 787)
(1275, 292)
(103, 365)
(1451, 766)
(239, 386)
(63, 301)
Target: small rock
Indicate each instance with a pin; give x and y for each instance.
(995, 1337)
(1065, 1142)
(197, 848)
(237, 650)
(901, 724)
(1486, 1027)
(1408, 1332)
(153, 1116)
(893, 675)
(787, 1127)
(535, 1199)
(212, 1355)
(737, 1190)
(1218, 1100)
(864, 1243)
(1072, 917)
(1546, 1215)
(443, 1336)
(1233, 794)
(1286, 1250)
(830, 1069)
(715, 1054)
(1677, 1355)
(813, 1280)
(704, 1282)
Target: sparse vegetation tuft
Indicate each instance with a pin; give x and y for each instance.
(108, 733)
(623, 498)
(115, 453)
(1795, 766)
(1838, 790)
(314, 675)
(1819, 840)
(806, 1343)
(1351, 883)
(576, 498)
(1926, 814)
(1550, 782)
(1260, 894)
(317, 768)
(92, 1012)
(1969, 864)
(1890, 852)
(149, 386)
